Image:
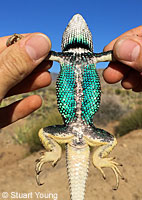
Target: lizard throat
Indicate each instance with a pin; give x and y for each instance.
(76, 44)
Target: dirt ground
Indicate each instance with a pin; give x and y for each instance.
(17, 176)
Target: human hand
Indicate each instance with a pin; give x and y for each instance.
(23, 69)
(127, 50)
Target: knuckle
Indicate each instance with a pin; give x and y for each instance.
(14, 64)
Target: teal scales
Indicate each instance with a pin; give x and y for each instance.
(91, 93)
(65, 93)
(90, 97)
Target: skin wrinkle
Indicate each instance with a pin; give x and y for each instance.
(12, 65)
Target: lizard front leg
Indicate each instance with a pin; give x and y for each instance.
(50, 137)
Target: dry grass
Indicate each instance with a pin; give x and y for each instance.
(130, 122)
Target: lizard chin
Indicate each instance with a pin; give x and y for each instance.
(80, 36)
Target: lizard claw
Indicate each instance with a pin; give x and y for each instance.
(45, 158)
(117, 174)
(100, 163)
(38, 171)
(38, 180)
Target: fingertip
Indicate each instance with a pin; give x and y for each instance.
(138, 88)
(32, 44)
(126, 85)
(44, 65)
(43, 79)
(114, 72)
(105, 49)
(26, 106)
(50, 44)
(34, 102)
(128, 50)
(132, 80)
(19, 110)
(50, 63)
(36, 81)
(108, 47)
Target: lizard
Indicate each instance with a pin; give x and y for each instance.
(78, 94)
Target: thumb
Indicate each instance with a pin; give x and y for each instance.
(128, 50)
(20, 59)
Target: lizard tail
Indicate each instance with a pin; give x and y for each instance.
(77, 168)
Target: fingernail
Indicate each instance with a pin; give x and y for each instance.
(37, 46)
(127, 50)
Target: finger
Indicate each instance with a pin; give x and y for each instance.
(19, 109)
(129, 51)
(43, 66)
(115, 72)
(20, 59)
(4, 39)
(138, 88)
(132, 80)
(39, 78)
(133, 32)
(36, 81)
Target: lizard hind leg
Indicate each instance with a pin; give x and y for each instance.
(50, 137)
(100, 159)
(105, 142)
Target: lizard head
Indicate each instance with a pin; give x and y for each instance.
(77, 34)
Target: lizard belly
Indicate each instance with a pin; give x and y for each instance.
(78, 92)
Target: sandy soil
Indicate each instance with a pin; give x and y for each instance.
(17, 173)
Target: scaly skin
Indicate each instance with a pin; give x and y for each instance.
(78, 98)
(77, 167)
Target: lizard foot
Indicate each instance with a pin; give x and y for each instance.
(13, 39)
(100, 163)
(51, 156)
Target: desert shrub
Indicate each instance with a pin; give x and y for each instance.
(110, 110)
(28, 134)
(117, 91)
(139, 102)
(132, 121)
